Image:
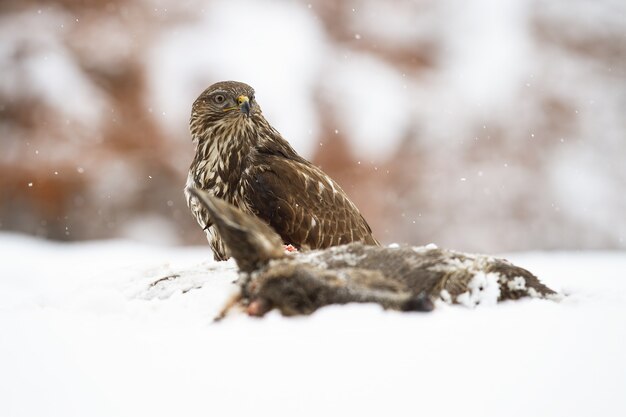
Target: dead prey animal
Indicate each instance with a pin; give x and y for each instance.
(397, 278)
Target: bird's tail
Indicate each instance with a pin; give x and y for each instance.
(250, 241)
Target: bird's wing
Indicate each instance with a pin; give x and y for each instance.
(249, 240)
(304, 205)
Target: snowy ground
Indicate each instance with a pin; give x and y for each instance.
(83, 333)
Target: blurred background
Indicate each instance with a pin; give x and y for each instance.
(482, 126)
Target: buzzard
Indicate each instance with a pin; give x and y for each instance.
(243, 160)
(398, 278)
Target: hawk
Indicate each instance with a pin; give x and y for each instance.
(398, 278)
(243, 160)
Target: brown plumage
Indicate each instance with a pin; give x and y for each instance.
(242, 159)
(402, 278)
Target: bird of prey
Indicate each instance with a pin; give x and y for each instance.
(243, 160)
(397, 278)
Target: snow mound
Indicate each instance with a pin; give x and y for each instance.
(483, 289)
(123, 329)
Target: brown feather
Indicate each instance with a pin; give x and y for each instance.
(288, 195)
(251, 242)
(403, 278)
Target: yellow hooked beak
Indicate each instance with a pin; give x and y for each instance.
(244, 104)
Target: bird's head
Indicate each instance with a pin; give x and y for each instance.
(225, 101)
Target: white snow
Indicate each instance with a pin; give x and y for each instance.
(84, 333)
(370, 102)
(483, 289)
(47, 71)
(517, 283)
(273, 46)
(487, 64)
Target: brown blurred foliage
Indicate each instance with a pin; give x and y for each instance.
(106, 167)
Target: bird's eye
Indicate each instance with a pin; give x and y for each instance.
(219, 99)
(252, 97)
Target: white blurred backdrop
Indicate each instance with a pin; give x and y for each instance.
(491, 125)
